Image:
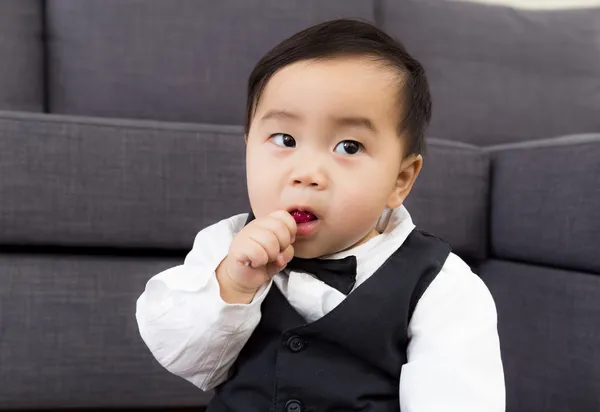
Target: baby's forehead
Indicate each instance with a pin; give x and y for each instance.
(348, 71)
(334, 89)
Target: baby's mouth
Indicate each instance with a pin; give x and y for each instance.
(303, 216)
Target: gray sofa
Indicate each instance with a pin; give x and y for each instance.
(120, 138)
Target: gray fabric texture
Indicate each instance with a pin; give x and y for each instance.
(87, 182)
(500, 74)
(549, 335)
(21, 62)
(450, 197)
(69, 181)
(68, 336)
(177, 60)
(545, 202)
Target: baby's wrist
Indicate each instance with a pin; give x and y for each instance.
(231, 292)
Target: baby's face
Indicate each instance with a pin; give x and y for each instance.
(323, 144)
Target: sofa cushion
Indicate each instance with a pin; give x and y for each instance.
(21, 55)
(68, 335)
(549, 336)
(502, 74)
(546, 200)
(450, 197)
(177, 60)
(93, 182)
(102, 183)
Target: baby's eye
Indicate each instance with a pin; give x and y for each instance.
(349, 147)
(283, 140)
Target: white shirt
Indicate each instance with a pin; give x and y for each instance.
(454, 361)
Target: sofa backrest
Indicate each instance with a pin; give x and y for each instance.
(21, 55)
(544, 271)
(89, 182)
(71, 181)
(451, 197)
(498, 74)
(177, 60)
(546, 202)
(501, 74)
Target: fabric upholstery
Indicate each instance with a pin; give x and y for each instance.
(177, 60)
(450, 197)
(68, 336)
(545, 202)
(107, 183)
(501, 74)
(87, 182)
(549, 336)
(21, 55)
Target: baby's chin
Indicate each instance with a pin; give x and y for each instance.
(312, 248)
(306, 249)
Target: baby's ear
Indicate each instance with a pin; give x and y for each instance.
(409, 171)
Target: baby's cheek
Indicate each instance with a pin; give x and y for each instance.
(360, 194)
(359, 208)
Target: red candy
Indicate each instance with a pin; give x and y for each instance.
(303, 217)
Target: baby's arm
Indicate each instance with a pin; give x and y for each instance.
(183, 320)
(454, 361)
(196, 318)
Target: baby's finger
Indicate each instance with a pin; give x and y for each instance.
(287, 219)
(287, 255)
(254, 255)
(279, 228)
(281, 262)
(272, 269)
(267, 240)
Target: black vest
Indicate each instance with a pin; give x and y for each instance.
(350, 359)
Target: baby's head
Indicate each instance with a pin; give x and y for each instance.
(335, 124)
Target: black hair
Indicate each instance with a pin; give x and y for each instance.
(346, 37)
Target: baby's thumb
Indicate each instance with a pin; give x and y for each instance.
(281, 262)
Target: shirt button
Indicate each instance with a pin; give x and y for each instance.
(293, 406)
(295, 344)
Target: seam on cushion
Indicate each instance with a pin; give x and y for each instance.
(142, 124)
(559, 141)
(441, 142)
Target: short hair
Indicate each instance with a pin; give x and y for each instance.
(347, 37)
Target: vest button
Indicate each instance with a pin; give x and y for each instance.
(295, 344)
(293, 406)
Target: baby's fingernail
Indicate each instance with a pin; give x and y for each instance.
(293, 239)
(282, 261)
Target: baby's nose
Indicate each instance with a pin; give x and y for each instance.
(314, 179)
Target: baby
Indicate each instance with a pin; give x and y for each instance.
(326, 297)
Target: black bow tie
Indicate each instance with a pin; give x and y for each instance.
(337, 273)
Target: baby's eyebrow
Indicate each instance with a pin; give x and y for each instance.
(340, 121)
(281, 114)
(352, 121)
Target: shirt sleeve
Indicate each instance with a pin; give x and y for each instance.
(184, 322)
(454, 361)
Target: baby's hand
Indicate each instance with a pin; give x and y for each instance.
(258, 252)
